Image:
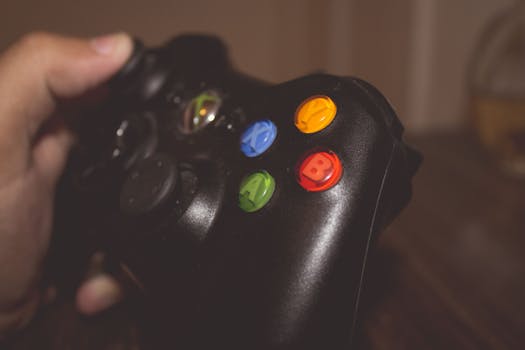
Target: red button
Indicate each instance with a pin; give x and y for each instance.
(319, 171)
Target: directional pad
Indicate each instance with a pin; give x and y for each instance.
(148, 185)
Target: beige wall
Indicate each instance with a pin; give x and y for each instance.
(445, 34)
(274, 39)
(415, 51)
(381, 47)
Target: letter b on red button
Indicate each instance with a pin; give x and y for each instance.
(319, 171)
(318, 168)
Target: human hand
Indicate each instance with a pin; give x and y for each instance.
(37, 74)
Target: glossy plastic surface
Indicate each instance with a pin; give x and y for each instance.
(286, 276)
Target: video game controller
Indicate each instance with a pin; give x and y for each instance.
(243, 211)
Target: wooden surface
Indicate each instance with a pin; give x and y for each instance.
(448, 274)
(454, 262)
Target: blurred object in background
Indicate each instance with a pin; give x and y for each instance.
(497, 85)
(415, 51)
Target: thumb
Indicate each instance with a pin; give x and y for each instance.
(41, 69)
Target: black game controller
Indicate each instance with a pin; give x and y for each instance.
(243, 210)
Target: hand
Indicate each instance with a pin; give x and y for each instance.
(37, 74)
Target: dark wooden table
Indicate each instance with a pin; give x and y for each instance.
(449, 273)
(456, 255)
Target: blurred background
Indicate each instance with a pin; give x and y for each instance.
(450, 272)
(415, 51)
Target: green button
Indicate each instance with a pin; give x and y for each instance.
(255, 191)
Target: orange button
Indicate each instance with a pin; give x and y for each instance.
(319, 171)
(315, 114)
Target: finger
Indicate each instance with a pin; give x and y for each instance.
(19, 316)
(98, 294)
(50, 152)
(40, 70)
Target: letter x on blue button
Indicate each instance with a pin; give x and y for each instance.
(258, 137)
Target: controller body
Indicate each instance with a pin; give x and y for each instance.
(243, 210)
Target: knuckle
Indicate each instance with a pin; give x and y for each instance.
(36, 41)
(36, 49)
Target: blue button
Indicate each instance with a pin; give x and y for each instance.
(258, 137)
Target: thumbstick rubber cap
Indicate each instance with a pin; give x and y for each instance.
(131, 68)
(148, 185)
